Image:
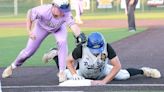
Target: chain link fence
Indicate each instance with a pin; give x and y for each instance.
(18, 7)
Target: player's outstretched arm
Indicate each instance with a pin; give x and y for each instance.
(115, 62)
(80, 36)
(70, 65)
(116, 67)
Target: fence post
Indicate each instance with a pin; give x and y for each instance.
(41, 2)
(143, 7)
(15, 7)
(92, 6)
(117, 6)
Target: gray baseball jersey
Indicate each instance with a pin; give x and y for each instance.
(91, 66)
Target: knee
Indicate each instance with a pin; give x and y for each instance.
(122, 75)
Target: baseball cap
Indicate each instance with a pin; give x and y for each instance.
(63, 5)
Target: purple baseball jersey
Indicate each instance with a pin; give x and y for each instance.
(46, 23)
(46, 20)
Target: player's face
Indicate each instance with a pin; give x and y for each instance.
(57, 12)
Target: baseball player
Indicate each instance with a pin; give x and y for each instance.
(98, 61)
(130, 8)
(79, 10)
(49, 19)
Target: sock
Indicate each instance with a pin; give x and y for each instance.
(56, 61)
(134, 71)
(13, 66)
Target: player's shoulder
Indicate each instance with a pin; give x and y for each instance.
(67, 14)
(78, 48)
(46, 5)
(108, 45)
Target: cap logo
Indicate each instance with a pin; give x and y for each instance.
(96, 46)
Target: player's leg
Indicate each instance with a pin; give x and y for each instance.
(27, 52)
(124, 74)
(61, 38)
(80, 11)
(121, 75)
(56, 61)
(131, 17)
(77, 10)
(134, 71)
(51, 54)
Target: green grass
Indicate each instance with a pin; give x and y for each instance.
(98, 16)
(124, 16)
(13, 40)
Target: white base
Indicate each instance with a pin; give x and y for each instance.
(76, 83)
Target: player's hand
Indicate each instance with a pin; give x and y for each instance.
(97, 82)
(81, 39)
(77, 77)
(31, 35)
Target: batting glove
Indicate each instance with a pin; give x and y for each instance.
(77, 77)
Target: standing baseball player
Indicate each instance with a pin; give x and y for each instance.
(49, 19)
(78, 10)
(98, 61)
(130, 9)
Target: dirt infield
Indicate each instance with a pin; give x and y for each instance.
(143, 49)
(100, 23)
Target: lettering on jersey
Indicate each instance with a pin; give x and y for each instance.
(97, 65)
(86, 63)
(54, 25)
(103, 56)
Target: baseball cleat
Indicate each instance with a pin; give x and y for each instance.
(50, 55)
(62, 77)
(7, 72)
(133, 30)
(151, 72)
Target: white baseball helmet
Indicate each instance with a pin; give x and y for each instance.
(63, 5)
